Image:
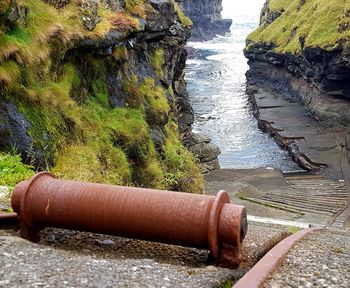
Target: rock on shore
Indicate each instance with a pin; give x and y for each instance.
(207, 152)
(304, 59)
(206, 18)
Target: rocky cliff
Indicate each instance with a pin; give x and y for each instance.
(206, 18)
(301, 50)
(94, 90)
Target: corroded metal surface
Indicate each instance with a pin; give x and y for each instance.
(201, 221)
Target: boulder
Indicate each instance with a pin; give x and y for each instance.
(206, 18)
(207, 152)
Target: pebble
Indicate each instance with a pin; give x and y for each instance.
(315, 262)
(107, 242)
(4, 191)
(4, 198)
(75, 259)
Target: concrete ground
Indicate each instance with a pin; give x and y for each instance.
(254, 184)
(321, 259)
(326, 146)
(75, 259)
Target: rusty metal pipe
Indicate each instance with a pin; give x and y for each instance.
(200, 221)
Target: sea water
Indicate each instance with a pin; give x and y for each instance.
(215, 76)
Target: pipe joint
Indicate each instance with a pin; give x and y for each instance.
(200, 221)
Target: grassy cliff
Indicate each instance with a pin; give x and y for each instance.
(304, 23)
(97, 100)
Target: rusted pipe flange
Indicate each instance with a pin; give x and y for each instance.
(201, 221)
(213, 224)
(231, 232)
(29, 230)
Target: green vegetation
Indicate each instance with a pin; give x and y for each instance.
(293, 229)
(227, 284)
(136, 7)
(28, 43)
(121, 54)
(315, 23)
(66, 102)
(156, 104)
(158, 61)
(278, 5)
(9, 72)
(93, 163)
(12, 170)
(183, 18)
(181, 171)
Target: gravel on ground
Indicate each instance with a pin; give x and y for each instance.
(5, 202)
(321, 259)
(75, 259)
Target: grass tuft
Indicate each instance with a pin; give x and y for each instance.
(185, 21)
(9, 73)
(316, 23)
(158, 61)
(12, 170)
(181, 171)
(136, 7)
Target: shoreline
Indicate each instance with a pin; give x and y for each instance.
(298, 133)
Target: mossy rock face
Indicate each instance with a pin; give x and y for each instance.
(11, 13)
(96, 102)
(13, 132)
(57, 3)
(301, 52)
(292, 25)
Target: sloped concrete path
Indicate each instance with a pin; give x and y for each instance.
(309, 258)
(317, 146)
(257, 276)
